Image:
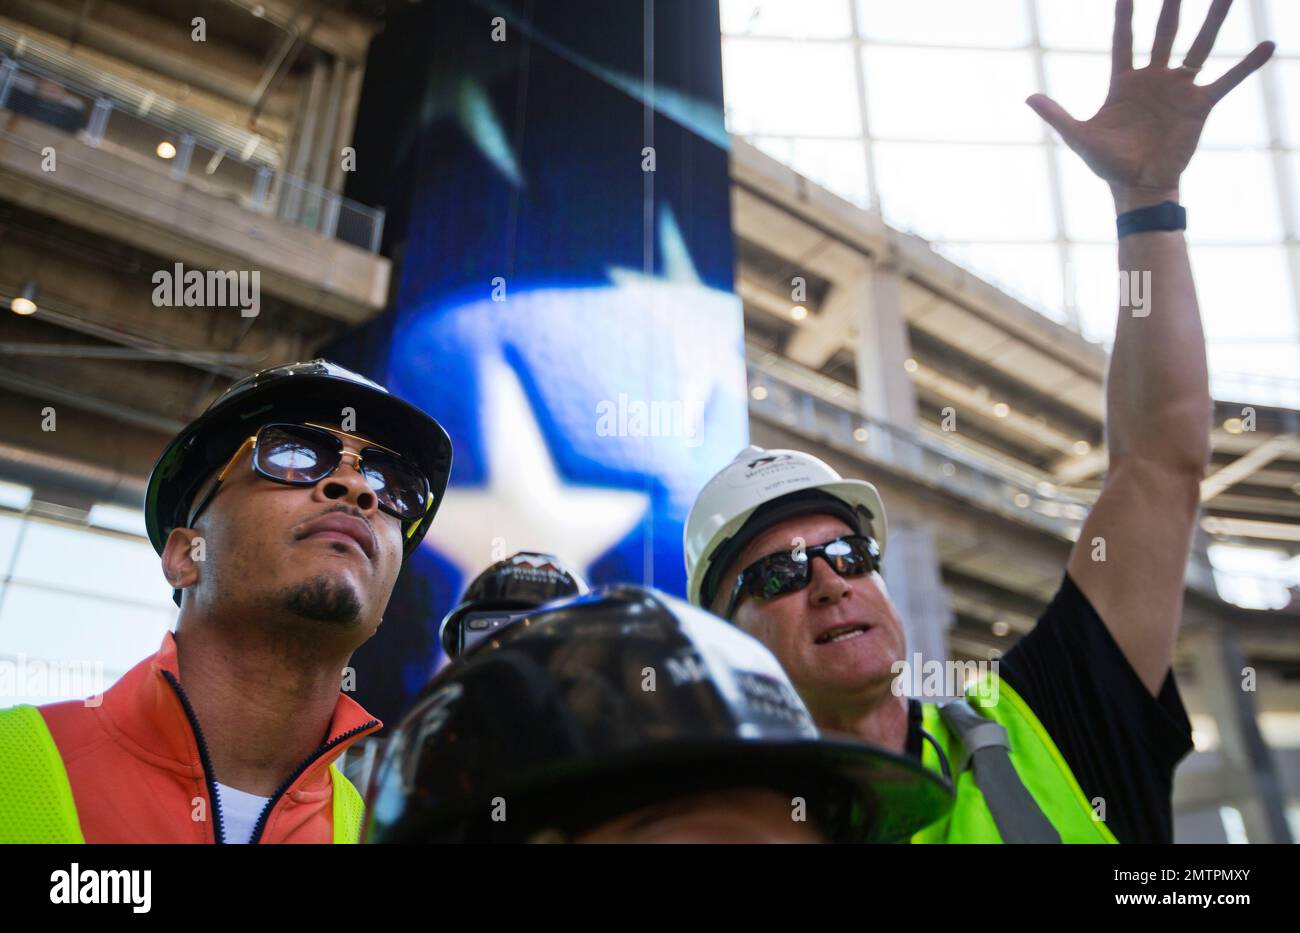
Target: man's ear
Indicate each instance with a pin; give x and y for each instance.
(181, 556)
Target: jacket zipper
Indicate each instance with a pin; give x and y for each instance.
(297, 772)
(209, 776)
(219, 832)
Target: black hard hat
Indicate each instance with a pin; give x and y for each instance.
(609, 702)
(314, 391)
(523, 581)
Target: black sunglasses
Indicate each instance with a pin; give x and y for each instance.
(304, 454)
(790, 571)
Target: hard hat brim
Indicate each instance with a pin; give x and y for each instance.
(893, 796)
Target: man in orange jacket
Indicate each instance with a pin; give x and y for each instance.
(283, 514)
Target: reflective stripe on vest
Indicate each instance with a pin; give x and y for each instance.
(1036, 759)
(36, 803)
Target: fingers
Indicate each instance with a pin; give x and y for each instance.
(1121, 49)
(1166, 30)
(1240, 71)
(1200, 49)
(1054, 114)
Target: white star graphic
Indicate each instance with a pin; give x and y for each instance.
(525, 504)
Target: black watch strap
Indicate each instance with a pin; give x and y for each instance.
(1167, 215)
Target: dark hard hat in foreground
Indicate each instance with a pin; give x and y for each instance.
(607, 703)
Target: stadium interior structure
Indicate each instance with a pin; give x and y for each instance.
(219, 155)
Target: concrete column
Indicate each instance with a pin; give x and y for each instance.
(1200, 572)
(292, 199)
(1247, 761)
(885, 390)
(911, 572)
(887, 398)
(346, 126)
(323, 147)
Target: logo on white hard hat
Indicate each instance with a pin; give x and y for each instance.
(760, 468)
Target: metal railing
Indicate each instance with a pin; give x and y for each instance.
(827, 412)
(106, 112)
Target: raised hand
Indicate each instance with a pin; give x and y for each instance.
(1147, 130)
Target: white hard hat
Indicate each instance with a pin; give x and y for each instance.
(758, 477)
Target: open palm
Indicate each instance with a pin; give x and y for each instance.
(1147, 130)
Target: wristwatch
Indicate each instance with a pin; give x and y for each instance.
(1167, 215)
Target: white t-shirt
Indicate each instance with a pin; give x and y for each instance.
(239, 812)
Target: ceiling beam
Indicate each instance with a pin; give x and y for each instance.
(1249, 528)
(820, 336)
(1243, 467)
(1074, 469)
(337, 32)
(969, 402)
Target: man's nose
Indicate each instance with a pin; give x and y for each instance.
(826, 588)
(348, 484)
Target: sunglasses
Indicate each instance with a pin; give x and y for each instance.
(304, 454)
(790, 571)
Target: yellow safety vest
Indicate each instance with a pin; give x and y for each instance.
(1036, 760)
(36, 803)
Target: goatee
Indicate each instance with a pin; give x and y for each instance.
(324, 599)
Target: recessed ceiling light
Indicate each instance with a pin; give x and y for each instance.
(25, 301)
